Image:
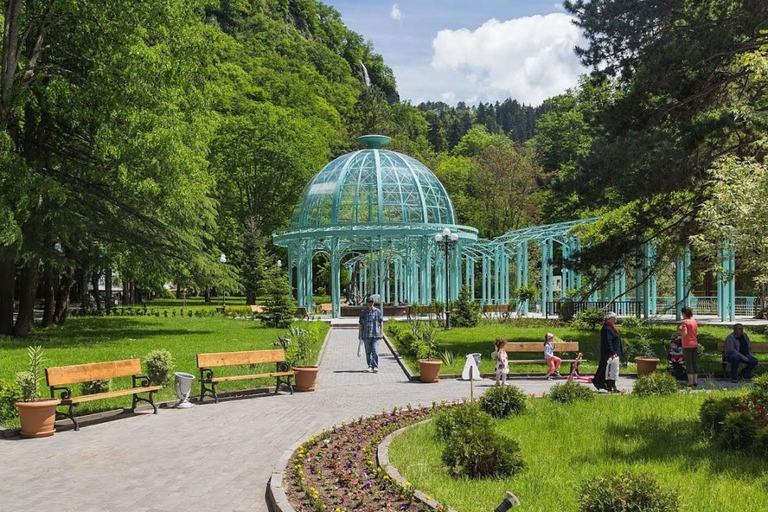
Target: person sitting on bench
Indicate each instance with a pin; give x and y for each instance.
(737, 351)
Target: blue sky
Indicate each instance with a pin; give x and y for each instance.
(464, 50)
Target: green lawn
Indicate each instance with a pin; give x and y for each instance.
(466, 340)
(564, 445)
(94, 339)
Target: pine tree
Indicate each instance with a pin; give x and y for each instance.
(279, 306)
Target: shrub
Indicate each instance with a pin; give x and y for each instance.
(591, 317)
(760, 384)
(159, 364)
(657, 383)
(28, 380)
(393, 328)
(298, 345)
(459, 418)
(466, 312)
(8, 397)
(95, 386)
(738, 432)
(503, 401)
(761, 443)
(630, 323)
(713, 412)
(627, 492)
(478, 451)
(569, 392)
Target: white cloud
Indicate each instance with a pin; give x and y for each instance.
(448, 97)
(396, 14)
(529, 59)
(559, 6)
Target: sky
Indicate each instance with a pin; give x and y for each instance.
(471, 50)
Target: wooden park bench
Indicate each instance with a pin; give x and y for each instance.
(59, 378)
(302, 313)
(326, 308)
(754, 348)
(256, 309)
(538, 348)
(496, 310)
(207, 362)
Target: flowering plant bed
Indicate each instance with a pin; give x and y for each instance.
(337, 470)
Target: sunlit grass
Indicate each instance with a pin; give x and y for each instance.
(564, 445)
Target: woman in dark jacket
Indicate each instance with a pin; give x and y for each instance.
(610, 344)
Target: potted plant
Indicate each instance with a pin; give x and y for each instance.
(37, 415)
(645, 357)
(426, 352)
(298, 353)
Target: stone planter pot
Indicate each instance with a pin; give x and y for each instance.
(646, 365)
(37, 417)
(306, 377)
(429, 370)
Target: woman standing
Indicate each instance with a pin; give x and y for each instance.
(610, 345)
(690, 330)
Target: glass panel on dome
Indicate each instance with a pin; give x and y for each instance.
(359, 193)
(317, 205)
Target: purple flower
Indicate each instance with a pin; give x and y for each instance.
(367, 485)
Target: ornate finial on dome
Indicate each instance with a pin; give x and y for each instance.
(374, 141)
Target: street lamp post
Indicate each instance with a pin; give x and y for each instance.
(223, 260)
(446, 241)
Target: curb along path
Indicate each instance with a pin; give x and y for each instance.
(211, 457)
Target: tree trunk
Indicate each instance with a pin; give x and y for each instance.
(126, 290)
(7, 278)
(108, 289)
(95, 275)
(48, 295)
(82, 280)
(207, 295)
(250, 297)
(25, 321)
(62, 296)
(178, 291)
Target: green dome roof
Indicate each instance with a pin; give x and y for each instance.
(374, 186)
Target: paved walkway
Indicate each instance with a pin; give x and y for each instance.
(211, 457)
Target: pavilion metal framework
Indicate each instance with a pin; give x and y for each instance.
(376, 212)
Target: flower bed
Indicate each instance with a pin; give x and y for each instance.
(337, 469)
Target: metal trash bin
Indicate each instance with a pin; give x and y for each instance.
(183, 389)
(477, 357)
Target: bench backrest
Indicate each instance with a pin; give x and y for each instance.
(757, 348)
(569, 346)
(326, 307)
(256, 308)
(301, 311)
(496, 308)
(58, 375)
(214, 360)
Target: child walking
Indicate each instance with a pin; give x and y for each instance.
(549, 356)
(502, 362)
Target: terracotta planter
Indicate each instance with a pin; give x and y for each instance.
(37, 418)
(646, 365)
(306, 377)
(429, 370)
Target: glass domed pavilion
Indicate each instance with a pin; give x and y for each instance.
(376, 212)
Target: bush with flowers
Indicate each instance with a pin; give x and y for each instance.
(738, 422)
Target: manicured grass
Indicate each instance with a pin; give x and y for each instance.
(466, 340)
(94, 339)
(565, 445)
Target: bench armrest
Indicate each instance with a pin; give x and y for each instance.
(66, 393)
(206, 374)
(283, 366)
(143, 380)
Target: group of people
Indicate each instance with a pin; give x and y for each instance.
(684, 349)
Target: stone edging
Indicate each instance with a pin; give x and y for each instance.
(399, 359)
(277, 501)
(382, 454)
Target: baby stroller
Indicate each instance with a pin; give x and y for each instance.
(675, 361)
(573, 375)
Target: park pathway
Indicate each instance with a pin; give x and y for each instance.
(215, 458)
